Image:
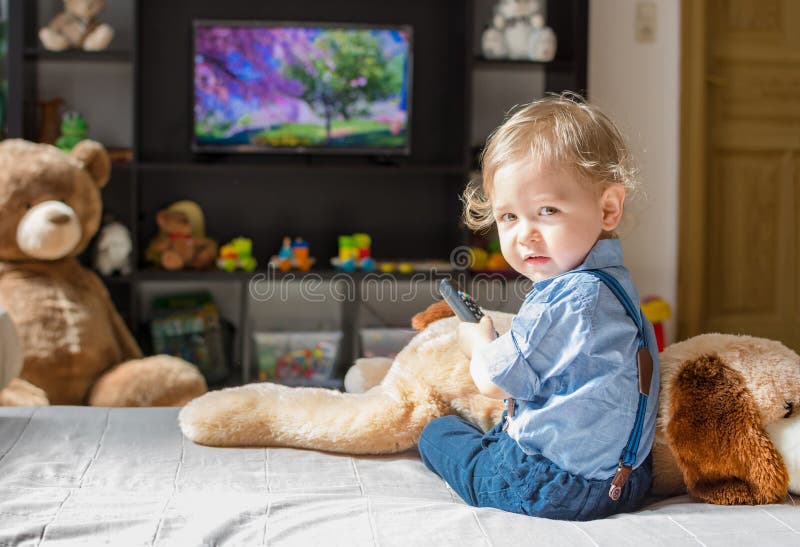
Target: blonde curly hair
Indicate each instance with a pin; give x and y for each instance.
(561, 130)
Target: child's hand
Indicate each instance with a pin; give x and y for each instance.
(473, 335)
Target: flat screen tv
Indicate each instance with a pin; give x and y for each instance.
(286, 87)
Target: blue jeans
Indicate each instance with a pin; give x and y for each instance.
(491, 470)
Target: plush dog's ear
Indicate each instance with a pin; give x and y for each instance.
(715, 433)
(95, 160)
(434, 312)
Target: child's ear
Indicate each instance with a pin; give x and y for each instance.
(612, 201)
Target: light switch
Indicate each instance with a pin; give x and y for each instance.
(645, 22)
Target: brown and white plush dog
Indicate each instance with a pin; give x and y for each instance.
(720, 395)
(727, 415)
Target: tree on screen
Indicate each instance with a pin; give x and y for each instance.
(344, 72)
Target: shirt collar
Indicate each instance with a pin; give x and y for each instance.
(606, 253)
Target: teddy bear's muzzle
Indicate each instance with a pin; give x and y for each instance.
(48, 231)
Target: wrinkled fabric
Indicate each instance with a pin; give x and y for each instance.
(126, 476)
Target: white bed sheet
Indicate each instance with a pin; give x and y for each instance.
(94, 476)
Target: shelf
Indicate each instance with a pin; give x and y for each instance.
(192, 275)
(276, 275)
(106, 56)
(481, 63)
(161, 125)
(278, 169)
(220, 275)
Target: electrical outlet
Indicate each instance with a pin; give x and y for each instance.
(645, 23)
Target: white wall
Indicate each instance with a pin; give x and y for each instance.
(637, 84)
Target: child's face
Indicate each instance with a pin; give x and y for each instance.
(547, 219)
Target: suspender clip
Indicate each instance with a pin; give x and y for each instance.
(619, 480)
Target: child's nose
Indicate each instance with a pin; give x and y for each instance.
(530, 232)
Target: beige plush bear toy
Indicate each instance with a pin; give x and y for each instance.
(720, 392)
(75, 345)
(76, 27)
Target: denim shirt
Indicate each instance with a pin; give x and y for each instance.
(570, 362)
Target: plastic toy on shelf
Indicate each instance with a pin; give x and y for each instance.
(488, 259)
(391, 266)
(355, 253)
(296, 355)
(237, 253)
(74, 129)
(657, 311)
(414, 266)
(293, 254)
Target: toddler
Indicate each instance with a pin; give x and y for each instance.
(579, 367)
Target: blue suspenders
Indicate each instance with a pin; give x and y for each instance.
(645, 366)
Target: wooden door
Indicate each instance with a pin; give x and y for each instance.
(739, 266)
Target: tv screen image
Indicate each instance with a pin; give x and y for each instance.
(297, 87)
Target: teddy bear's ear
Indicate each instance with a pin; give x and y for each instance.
(95, 160)
(434, 312)
(716, 435)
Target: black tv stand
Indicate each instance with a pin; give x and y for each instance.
(392, 161)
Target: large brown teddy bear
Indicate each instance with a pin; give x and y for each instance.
(719, 393)
(75, 345)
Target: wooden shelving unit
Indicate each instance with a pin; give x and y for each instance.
(409, 205)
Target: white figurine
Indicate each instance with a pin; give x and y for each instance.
(493, 44)
(542, 43)
(113, 252)
(518, 32)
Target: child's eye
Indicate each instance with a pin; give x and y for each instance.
(547, 211)
(508, 217)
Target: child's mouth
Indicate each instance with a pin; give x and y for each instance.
(536, 260)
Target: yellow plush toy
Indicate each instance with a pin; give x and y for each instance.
(75, 346)
(76, 27)
(726, 427)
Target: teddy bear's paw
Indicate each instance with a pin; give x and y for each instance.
(99, 38)
(160, 380)
(171, 260)
(21, 393)
(52, 41)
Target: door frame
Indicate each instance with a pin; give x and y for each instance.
(692, 188)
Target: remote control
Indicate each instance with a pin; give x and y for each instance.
(460, 302)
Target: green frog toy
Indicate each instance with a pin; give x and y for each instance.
(74, 129)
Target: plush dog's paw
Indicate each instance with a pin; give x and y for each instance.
(366, 373)
(785, 435)
(229, 417)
